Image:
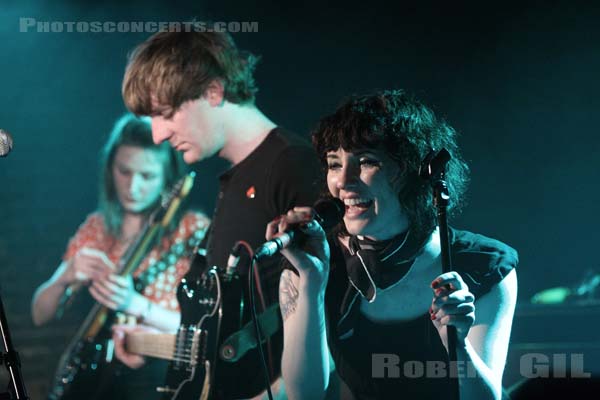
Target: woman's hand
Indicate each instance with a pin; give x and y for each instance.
(452, 304)
(87, 265)
(311, 257)
(119, 332)
(117, 293)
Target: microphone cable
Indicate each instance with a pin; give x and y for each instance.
(257, 331)
(254, 283)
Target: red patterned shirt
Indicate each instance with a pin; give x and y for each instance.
(165, 265)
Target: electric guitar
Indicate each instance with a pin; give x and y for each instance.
(204, 297)
(91, 345)
(193, 349)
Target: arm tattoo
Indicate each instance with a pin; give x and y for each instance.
(288, 294)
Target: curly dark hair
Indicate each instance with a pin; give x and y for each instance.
(406, 130)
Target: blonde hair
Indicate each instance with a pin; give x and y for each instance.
(170, 68)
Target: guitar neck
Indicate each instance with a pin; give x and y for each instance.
(158, 345)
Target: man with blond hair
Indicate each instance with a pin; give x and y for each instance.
(199, 90)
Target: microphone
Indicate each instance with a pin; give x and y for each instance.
(233, 260)
(328, 213)
(434, 164)
(6, 143)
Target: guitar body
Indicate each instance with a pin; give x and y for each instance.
(84, 360)
(191, 373)
(86, 363)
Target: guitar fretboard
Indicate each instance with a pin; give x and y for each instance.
(178, 347)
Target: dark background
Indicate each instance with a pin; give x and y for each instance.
(520, 84)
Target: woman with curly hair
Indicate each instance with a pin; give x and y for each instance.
(370, 299)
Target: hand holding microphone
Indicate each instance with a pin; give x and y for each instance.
(327, 213)
(300, 225)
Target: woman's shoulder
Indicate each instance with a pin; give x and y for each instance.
(91, 233)
(465, 242)
(93, 224)
(94, 218)
(193, 223)
(482, 261)
(195, 219)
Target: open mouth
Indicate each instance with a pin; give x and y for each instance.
(357, 206)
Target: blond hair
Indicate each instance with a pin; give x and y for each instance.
(170, 68)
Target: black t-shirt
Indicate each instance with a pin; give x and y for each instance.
(354, 339)
(282, 172)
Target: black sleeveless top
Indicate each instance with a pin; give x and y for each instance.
(362, 348)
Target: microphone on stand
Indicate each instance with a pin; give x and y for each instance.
(328, 213)
(6, 143)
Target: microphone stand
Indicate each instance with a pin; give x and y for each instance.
(433, 169)
(12, 362)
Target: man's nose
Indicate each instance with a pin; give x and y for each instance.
(160, 130)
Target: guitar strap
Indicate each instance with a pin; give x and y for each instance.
(236, 345)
